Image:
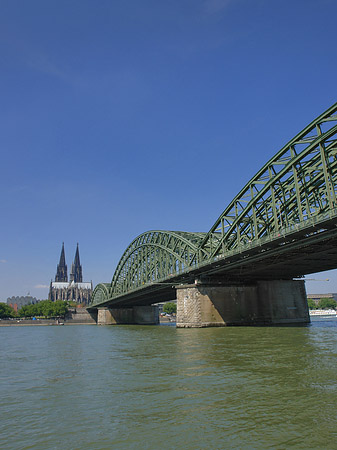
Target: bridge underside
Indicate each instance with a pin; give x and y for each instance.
(296, 255)
(281, 226)
(254, 287)
(283, 258)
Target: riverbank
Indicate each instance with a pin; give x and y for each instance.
(48, 322)
(74, 316)
(28, 322)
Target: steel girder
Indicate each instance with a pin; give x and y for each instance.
(151, 257)
(294, 190)
(296, 185)
(101, 292)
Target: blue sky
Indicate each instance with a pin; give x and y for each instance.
(118, 117)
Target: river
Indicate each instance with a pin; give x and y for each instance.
(90, 387)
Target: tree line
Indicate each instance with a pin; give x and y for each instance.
(44, 308)
(324, 303)
(170, 308)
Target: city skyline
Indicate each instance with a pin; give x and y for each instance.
(120, 117)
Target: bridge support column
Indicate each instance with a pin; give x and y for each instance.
(263, 303)
(137, 315)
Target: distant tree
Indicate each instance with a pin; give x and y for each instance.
(170, 308)
(6, 311)
(311, 304)
(45, 308)
(48, 308)
(327, 303)
(39, 308)
(22, 311)
(60, 308)
(28, 311)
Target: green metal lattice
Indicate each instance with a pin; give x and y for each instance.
(297, 187)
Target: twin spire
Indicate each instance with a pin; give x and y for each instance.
(76, 268)
(62, 271)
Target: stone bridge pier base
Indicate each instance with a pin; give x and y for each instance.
(262, 303)
(137, 315)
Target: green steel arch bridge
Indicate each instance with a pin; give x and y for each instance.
(281, 225)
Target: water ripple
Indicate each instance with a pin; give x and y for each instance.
(131, 387)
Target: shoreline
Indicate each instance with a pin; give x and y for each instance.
(52, 322)
(43, 324)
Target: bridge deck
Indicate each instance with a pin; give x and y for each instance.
(281, 225)
(292, 254)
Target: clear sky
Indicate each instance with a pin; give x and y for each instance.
(122, 116)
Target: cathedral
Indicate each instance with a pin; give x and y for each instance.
(75, 290)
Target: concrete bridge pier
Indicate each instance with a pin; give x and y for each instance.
(276, 302)
(137, 315)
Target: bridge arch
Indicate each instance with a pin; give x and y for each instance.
(294, 189)
(153, 256)
(101, 293)
(296, 186)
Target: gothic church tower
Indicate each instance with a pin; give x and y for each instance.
(76, 290)
(76, 268)
(62, 272)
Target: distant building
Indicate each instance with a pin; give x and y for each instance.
(18, 302)
(75, 290)
(317, 297)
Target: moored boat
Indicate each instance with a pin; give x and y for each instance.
(323, 313)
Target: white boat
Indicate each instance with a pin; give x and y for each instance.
(322, 313)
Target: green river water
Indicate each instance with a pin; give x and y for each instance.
(157, 387)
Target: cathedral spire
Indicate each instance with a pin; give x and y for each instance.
(77, 257)
(62, 257)
(76, 268)
(62, 272)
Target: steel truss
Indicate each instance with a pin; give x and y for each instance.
(296, 188)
